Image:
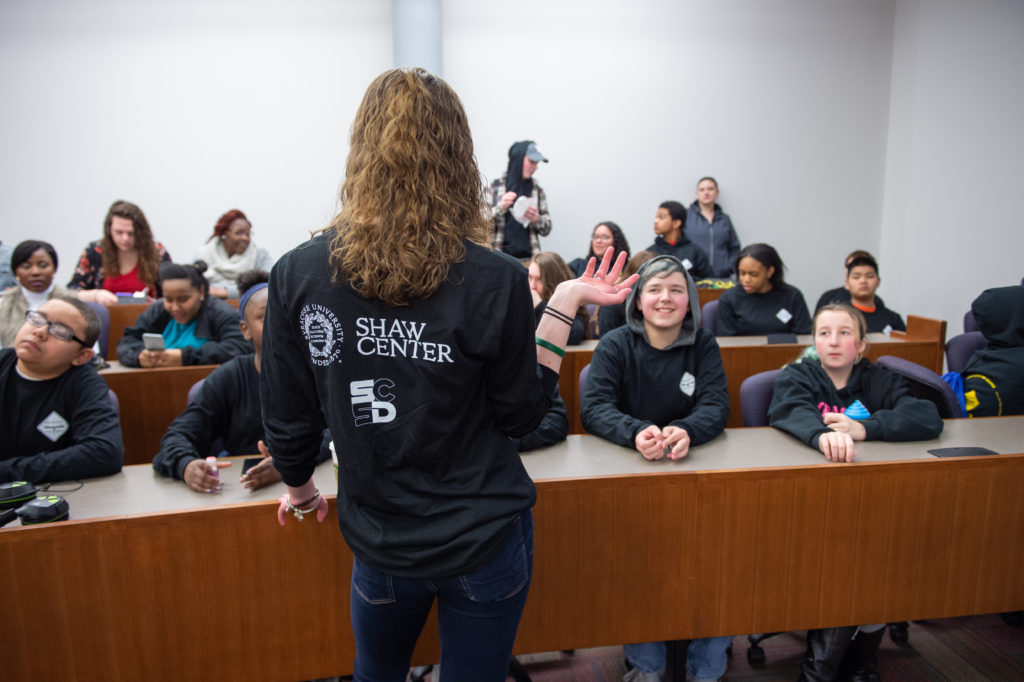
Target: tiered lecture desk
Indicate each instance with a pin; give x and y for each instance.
(743, 356)
(752, 532)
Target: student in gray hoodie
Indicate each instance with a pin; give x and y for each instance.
(658, 385)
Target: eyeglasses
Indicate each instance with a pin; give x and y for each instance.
(57, 330)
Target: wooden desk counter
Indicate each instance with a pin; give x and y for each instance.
(744, 356)
(752, 533)
(150, 399)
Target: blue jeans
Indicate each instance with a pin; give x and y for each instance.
(477, 614)
(706, 658)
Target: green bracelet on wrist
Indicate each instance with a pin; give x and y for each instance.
(560, 352)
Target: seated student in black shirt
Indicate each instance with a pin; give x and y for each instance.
(57, 421)
(671, 240)
(227, 406)
(862, 281)
(763, 303)
(197, 329)
(547, 271)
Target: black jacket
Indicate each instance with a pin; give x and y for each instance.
(421, 399)
(216, 321)
(994, 377)
(687, 252)
(803, 393)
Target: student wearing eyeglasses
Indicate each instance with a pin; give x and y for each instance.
(58, 422)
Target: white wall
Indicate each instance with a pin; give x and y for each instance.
(187, 108)
(952, 222)
(785, 103)
(830, 126)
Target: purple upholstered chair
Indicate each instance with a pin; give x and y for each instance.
(924, 383)
(961, 347)
(756, 396)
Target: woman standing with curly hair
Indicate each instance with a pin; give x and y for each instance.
(398, 329)
(125, 261)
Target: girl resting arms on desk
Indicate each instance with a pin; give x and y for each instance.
(414, 342)
(763, 303)
(125, 261)
(197, 329)
(810, 401)
(226, 407)
(657, 384)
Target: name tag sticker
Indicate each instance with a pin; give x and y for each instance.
(784, 316)
(687, 264)
(54, 426)
(688, 384)
(887, 330)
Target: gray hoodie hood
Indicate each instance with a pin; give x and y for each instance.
(691, 323)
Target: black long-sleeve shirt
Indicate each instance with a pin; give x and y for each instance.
(779, 311)
(57, 429)
(423, 399)
(690, 255)
(227, 406)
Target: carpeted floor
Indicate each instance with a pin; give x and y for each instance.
(955, 649)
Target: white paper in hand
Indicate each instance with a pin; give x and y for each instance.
(519, 208)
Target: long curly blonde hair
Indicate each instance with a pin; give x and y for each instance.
(412, 190)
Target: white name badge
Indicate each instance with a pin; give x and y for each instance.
(784, 316)
(688, 384)
(54, 426)
(887, 330)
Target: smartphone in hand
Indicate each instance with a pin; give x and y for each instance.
(152, 341)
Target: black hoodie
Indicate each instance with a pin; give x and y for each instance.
(631, 384)
(994, 377)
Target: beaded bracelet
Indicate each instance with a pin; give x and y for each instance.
(305, 508)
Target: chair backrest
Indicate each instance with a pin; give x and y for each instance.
(194, 390)
(104, 315)
(115, 402)
(709, 316)
(583, 377)
(969, 324)
(756, 396)
(961, 347)
(925, 384)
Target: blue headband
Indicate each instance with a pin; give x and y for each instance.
(246, 296)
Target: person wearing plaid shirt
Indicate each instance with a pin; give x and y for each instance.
(510, 235)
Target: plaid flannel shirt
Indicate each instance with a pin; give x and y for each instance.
(541, 227)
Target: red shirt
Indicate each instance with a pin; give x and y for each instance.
(127, 283)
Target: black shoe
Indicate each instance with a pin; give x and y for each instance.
(825, 650)
(860, 662)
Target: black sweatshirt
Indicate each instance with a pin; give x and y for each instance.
(803, 393)
(216, 321)
(57, 429)
(780, 311)
(227, 406)
(994, 376)
(631, 384)
(421, 399)
(687, 252)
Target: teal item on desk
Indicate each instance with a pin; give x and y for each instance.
(857, 411)
(181, 335)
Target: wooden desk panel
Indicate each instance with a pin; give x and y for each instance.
(744, 356)
(619, 558)
(150, 399)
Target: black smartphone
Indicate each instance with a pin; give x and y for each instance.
(249, 463)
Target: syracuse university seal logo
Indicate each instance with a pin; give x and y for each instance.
(322, 332)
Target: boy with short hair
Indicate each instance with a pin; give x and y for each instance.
(859, 289)
(57, 422)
